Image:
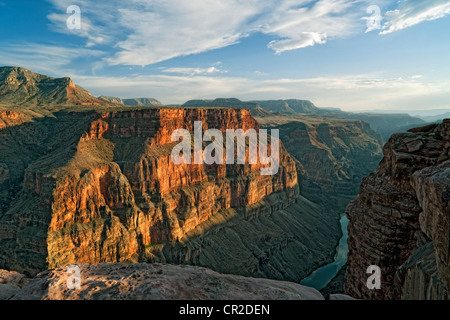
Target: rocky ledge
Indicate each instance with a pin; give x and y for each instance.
(157, 282)
(10, 283)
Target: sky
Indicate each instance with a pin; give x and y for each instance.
(356, 55)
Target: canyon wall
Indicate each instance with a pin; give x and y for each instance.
(400, 220)
(332, 156)
(101, 187)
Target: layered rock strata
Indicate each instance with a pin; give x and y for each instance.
(333, 156)
(101, 187)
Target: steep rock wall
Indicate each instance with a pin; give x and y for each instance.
(333, 155)
(113, 191)
(400, 220)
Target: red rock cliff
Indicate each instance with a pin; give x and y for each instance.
(119, 192)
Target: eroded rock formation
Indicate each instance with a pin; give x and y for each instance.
(401, 219)
(101, 187)
(333, 156)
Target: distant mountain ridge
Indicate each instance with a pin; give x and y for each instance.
(20, 86)
(386, 124)
(134, 102)
(291, 106)
(438, 117)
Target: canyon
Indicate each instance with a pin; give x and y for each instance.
(91, 181)
(94, 187)
(332, 155)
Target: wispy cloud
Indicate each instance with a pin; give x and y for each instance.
(303, 40)
(354, 92)
(146, 32)
(410, 13)
(97, 21)
(143, 32)
(46, 58)
(193, 71)
(312, 23)
(161, 30)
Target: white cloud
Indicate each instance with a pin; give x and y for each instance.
(313, 23)
(193, 71)
(144, 32)
(97, 21)
(305, 39)
(59, 25)
(411, 13)
(161, 30)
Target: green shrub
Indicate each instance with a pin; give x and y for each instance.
(438, 136)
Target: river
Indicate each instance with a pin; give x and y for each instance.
(320, 277)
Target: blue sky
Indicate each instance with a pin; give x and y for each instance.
(350, 54)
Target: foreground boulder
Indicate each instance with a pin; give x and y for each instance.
(10, 283)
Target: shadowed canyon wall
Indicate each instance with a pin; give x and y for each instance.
(332, 156)
(400, 221)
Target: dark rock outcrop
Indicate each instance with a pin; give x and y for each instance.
(254, 108)
(290, 107)
(400, 221)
